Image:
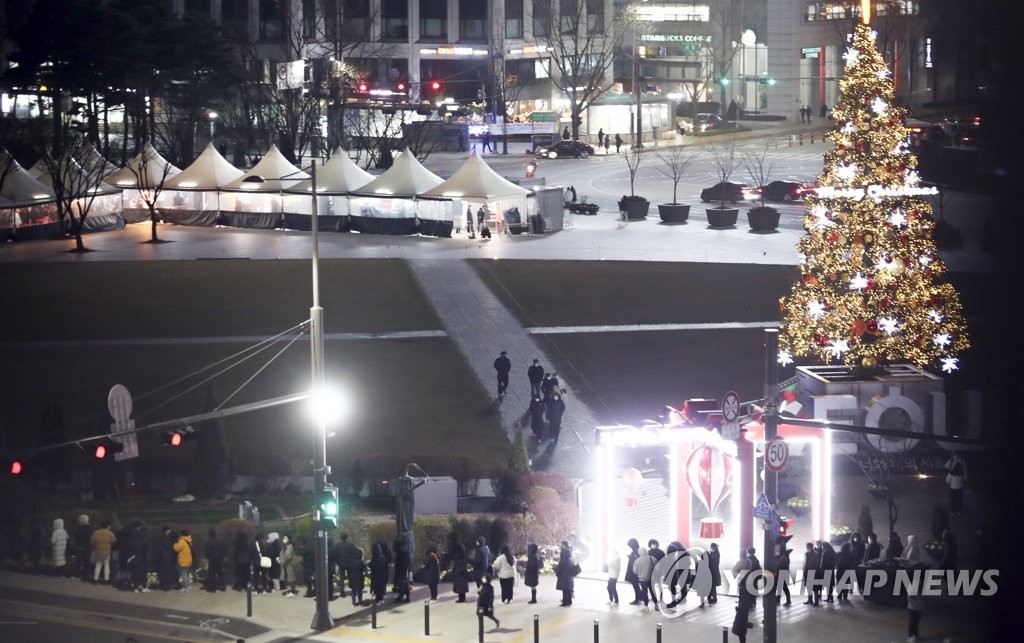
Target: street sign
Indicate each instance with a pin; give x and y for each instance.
(731, 407)
(119, 403)
(729, 430)
(762, 509)
(776, 454)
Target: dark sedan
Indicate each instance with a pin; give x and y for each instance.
(566, 148)
(785, 191)
(726, 191)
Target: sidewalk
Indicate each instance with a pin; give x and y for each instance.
(199, 615)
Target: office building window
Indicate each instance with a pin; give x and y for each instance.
(541, 18)
(235, 17)
(433, 20)
(673, 12)
(472, 20)
(395, 19)
(595, 16)
(513, 18)
(272, 19)
(198, 6)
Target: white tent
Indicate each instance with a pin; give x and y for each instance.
(405, 179)
(334, 181)
(147, 170)
(340, 175)
(209, 171)
(272, 174)
(476, 182)
(92, 161)
(18, 186)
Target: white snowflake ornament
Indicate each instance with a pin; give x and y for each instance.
(878, 106)
(858, 282)
(888, 325)
(935, 316)
(847, 172)
(897, 218)
(839, 347)
(784, 358)
(851, 56)
(941, 340)
(815, 309)
(949, 364)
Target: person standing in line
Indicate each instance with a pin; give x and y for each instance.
(469, 221)
(873, 550)
(613, 565)
(485, 600)
(784, 563)
(102, 541)
(531, 574)
(291, 566)
(274, 545)
(486, 141)
(654, 550)
(378, 571)
(241, 558)
(183, 551)
(844, 563)
(505, 571)
(956, 475)
(824, 110)
(546, 387)
(950, 551)
(59, 547)
(460, 568)
(213, 550)
(357, 578)
(643, 566)
(537, 409)
(403, 562)
(895, 547)
(502, 366)
(347, 556)
(828, 568)
(618, 143)
(715, 567)
(260, 550)
(83, 548)
(481, 561)
(631, 576)
(812, 561)
(480, 217)
(555, 410)
(566, 571)
(744, 600)
(915, 602)
(431, 571)
(462, 141)
(536, 375)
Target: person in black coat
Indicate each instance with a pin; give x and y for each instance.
(536, 375)
(844, 563)
(895, 547)
(531, 576)
(167, 560)
(631, 577)
(214, 552)
(679, 574)
(432, 571)
(744, 603)
(546, 386)
(379, 560)
(485, 600)
(460, 569)
(828, 568)
(784, 563)
(357, 579)
(537, 410)
(555, 410)
(872, 550)
(83, 546)
(403, 563)
(502, 366)
(242, 562)
(950, 550)
(715, 567)
(812, 561)
(481, 561)
(566, 571)
(137, 557)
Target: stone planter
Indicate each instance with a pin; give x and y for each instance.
(635, 209)
(722, 217)
(763, 219)
(673, 212)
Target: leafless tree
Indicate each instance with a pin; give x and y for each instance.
(75, 186)
(674, 165)
(634, 157)
(759, 165)
(725, 161)
(150, 172)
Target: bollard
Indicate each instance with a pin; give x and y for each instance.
(536, 628)
(791, 140)
(812, 138)
(426, 618)
(597, 631)
(480, 627)
(248, 600)
(657, 633)
(801, 139)
(725, 634)
(373, 614)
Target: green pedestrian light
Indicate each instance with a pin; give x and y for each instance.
(327, 507)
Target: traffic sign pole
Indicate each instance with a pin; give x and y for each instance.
(771, 478)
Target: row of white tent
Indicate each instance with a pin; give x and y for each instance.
(405, 199)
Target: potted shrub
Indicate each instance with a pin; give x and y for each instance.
(633, 207)
(840, 534)
(762, 218)
(799, 505)
(725, 162)
(935, 549)
(674, 166)
(878, 490)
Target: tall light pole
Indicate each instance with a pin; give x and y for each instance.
(771, 478)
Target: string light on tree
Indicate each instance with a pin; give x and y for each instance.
(871, 289)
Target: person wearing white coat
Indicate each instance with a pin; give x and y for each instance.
(59, 543)
(613, 565)
(504, 566)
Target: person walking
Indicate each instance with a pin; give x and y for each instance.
(744, 599)
(555, 410)
(213, 551)
(462, 141)
(618, 143)
(379, 556)
(502, 366)
(481, 561)
(505, 571)
(600, 136)
(824, 110)
(536, 375)
(613, 565)
(566, 571)
(102, 541)
(469, 221)
(59, 547)
(565, 133)
(643, 566)
(431, 571)
(485, 600)
(486, 146)
(956, 475)
(631, 576)
(291, 567)
(183, 552)
(531, 573)
(812, 561)
(459, 568)
(536, 411)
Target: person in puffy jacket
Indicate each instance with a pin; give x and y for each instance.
(59, 545)
(102, 541)
(291, 566)
(505, 571)
(183, 552)
(643, 566)
(531, 575)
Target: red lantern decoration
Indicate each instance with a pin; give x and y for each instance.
(631, 479)
(709, 474)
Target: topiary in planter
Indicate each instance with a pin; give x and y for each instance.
(635, 207)
(722, 217)
(763, 219)
(673, 212)
(799, 505)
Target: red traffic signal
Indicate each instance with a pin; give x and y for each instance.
(363, 87)
(107, 446)
(435, 85)
(400, 88)
(16, 467)
(176, 438)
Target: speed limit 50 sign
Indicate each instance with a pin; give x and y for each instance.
(776, 454)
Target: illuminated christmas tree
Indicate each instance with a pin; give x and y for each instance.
(869, 292)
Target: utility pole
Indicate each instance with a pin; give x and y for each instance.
(771, 478)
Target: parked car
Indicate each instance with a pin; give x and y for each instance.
(566, 148)
(784, 190)
(728, 191)
(706, 122)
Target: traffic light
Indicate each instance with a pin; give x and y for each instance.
(107, 446)
(327, 507)
(16, 467)
(722, 81)
(363, 87)
(783, 536)
(434, 86)
(176, 438)
(767, 81)
(401, 88)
